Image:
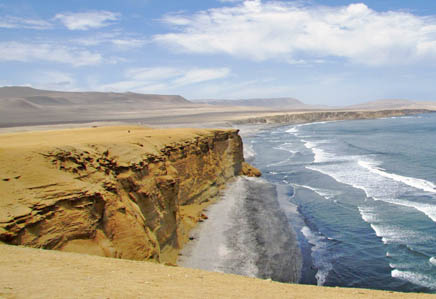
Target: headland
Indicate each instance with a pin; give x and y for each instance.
(90, 190)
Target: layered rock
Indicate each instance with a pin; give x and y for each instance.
(125, 192)
(307, 117)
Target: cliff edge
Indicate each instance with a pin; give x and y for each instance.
(71, 275)
(125, 192)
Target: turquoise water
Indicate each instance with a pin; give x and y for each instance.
(361, 196)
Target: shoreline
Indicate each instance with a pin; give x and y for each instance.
(319, 116)
(220, 119)
(245, 234)
(318, 146)
(195, 262)
(246, 132)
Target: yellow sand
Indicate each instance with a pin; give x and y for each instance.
(34, 273)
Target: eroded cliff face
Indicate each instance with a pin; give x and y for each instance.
(125, 192)
(307, 117)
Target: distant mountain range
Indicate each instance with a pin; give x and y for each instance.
(25, 105)
(29, 106)
(21, 97)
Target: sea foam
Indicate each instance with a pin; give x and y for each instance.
(413, 182)
(387, 232)
(288, 147)
(363, 173)
(325, 193)
(319, 252)
(415, 278)
(320, 155)
(249, 152)
(427, 209)
(368, 214)
(292, 130)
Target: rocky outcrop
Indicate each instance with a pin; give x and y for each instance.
(307, 117)
(133, 197)
(249, 170)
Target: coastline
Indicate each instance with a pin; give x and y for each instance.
(201, 261)
(246, 233)
(307, 149)
(130, 192)
(318, 116)
(253, 132)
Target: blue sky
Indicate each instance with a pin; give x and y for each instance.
(322, 52)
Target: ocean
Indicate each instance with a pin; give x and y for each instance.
(345, 203)
(364, 198)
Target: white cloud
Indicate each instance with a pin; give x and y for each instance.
(201, 75)
(87, 20)
(289, 31)
(230, 1)
(116, 39)
(30, 52)
(53, 80)
(11, 22)
(152, 74)
(127, 43)
(241, 90)
(162, 79)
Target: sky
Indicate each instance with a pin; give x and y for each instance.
(331, 52)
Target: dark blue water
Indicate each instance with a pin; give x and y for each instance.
(361, 196)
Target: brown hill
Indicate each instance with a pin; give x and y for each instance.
(25, 105)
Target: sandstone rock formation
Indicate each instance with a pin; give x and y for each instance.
(125, 192)
(249, 170)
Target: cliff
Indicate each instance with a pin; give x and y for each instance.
(307, 117)
(125, 192)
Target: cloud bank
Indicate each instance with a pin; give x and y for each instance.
(87, 20)
(30, 52)
(158, 79)
(13, 22)
(290, 31)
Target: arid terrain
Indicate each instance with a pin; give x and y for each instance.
(24, 106)
(33, 273)
(112, 198)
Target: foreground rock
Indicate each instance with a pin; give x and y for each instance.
(125, 192)
(71, 275)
